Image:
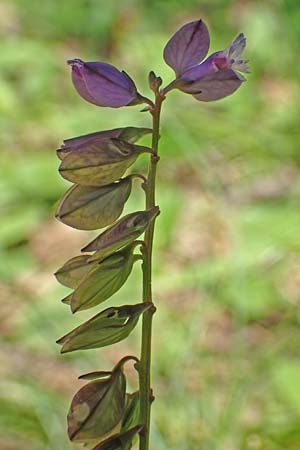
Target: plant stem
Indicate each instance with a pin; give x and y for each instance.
(145, 360)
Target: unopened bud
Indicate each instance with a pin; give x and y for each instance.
(154, 81)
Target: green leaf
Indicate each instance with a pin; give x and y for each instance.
(122, 233)
(108, 327)
(97, 408)
(132, 411)
(73, 271)
(120, 441)
(129, 134)
(100, 163)
(91, 207)
(104, 280)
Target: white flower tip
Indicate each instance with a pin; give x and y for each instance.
(241, 66)
(237, 46)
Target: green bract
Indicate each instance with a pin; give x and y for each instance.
(72, 272)
(100, 163)
(108, 327)
(91, 207)
(103, 280)
(122, 233)
(129, 134)
(97, 408)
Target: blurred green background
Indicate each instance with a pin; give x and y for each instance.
(226, 368)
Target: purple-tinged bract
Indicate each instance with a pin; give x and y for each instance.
(103, 84)
(187, 47)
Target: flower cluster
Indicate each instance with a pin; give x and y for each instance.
(217, 77)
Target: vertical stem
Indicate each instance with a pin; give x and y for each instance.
(145, 360)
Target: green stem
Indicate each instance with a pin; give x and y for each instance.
(145, 360)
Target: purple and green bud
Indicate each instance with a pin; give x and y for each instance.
(103, 84)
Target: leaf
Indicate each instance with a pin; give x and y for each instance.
(108, 327)
(129, 134)
(132, 411)
(123, 232)
(73, 271)
(92, 207)
(97, 408)
(187, 47)
(100, 163)
(120, 441)
(104, 280)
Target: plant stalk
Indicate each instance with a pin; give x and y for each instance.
(146, 396)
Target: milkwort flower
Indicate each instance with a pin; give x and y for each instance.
(103, 84)
(215, 78)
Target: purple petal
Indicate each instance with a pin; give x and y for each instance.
(214, 87)
(80, 84)
(187, 47)
(102, 84)
(202, 70)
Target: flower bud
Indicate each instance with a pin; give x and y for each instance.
(154, 81)
(103, 84)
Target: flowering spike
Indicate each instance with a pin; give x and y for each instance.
(102, 413)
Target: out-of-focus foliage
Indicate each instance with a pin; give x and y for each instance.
(227, 267)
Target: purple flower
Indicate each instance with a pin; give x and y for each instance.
(215, 78)
(103, 84)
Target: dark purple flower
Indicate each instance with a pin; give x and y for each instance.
(217, 77)
(103, 84)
